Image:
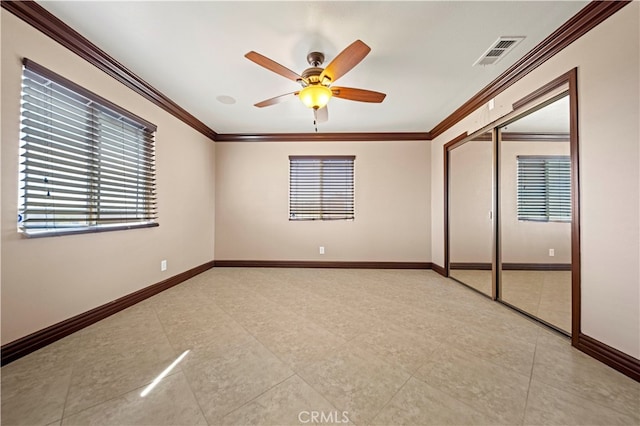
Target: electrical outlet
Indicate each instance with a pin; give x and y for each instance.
(321, 250)
(163, 265)
(552, 252)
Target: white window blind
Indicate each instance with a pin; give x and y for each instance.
(544, 188)
(321, 187)
(87, 165)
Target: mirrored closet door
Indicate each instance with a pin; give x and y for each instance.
(535, 213)
(470, 213)
(512, 228)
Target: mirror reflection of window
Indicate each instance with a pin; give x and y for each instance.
(544, 188)
(535, 214)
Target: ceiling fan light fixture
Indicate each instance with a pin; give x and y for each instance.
(315, 96)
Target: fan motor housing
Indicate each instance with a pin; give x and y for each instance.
(312, 74)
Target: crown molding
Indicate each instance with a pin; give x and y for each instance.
(585, 20)
(589, 17)
(322, 137)
(44, 21)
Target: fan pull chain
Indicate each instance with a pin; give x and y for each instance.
(315, 119)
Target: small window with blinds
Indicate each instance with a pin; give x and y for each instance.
(321, 187)
(544, 188)
(86, 165)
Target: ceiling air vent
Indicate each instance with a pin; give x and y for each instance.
(498, 50)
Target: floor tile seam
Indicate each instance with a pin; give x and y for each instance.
(175, 348)
(64, 406)
(459, 347)
(487, 413)
(323, 327)
(372, 421)
(181, 369)
(513, 341)
(572, 352)
(238, 323)
(456, 398)
(66, 398)
(74, 370)
(333, 404)
(368, 353)
(410, 371)
(429, 370)
(401, 301)
(195, 397)
(526, 402)
(244, 404)
(114, 397)
(587, 398)
(372, 354)
(265, 347)
(313, 323)
(539, 301)
(164, 330)
(323, 295)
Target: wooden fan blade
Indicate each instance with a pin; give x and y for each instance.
(360, 95)
(276, 100)
(322, 115)
(272, 65)
(347, 59)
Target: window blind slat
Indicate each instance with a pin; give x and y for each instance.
(84, 164)
(321, 187)
(544, 188)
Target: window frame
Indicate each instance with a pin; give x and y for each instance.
(137, 159)
(346, 188)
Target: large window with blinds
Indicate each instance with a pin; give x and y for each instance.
(321, 187)
(86, 164)
(544, 188)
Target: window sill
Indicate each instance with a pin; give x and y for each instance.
(84, 230)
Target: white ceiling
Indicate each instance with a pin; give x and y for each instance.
(421, 54)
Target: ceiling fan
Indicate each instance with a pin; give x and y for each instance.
(316, 81)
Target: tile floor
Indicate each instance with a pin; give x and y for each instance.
(290, 346)
(544, 294)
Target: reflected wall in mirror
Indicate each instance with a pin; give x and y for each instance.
(535, 214)
(470, 213)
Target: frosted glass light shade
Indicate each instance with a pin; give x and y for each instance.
(315, 96)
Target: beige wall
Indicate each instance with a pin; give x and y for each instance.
(47, 280)
(608, 87)
(392, 204)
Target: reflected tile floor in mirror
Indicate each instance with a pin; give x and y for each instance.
(275, 346)
(477, 279)
(545, 294)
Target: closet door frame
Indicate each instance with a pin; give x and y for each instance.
(566, 83)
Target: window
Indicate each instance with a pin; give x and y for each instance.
(544, 188)
(320, 187)
(87, 165)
